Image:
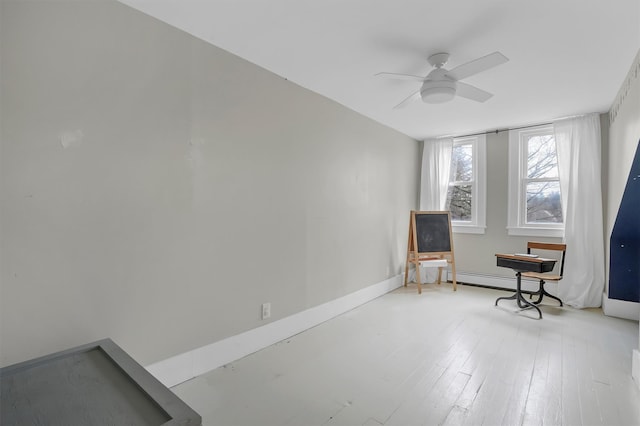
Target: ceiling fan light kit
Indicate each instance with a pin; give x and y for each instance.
(437, 92)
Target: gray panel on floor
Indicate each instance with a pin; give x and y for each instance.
(95, 384)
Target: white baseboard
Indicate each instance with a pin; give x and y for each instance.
(507, 283)
(635, 367)
(180, 368)
(620, 308)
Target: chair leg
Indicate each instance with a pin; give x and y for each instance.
(542, 292)
(537, 293)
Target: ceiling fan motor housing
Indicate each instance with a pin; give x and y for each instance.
(438, 60)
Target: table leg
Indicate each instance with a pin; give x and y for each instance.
(522, 302)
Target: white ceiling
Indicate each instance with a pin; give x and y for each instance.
(567, 57)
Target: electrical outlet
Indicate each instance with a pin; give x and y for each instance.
(266, 310)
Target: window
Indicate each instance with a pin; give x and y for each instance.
(467, 185)
(535, 205)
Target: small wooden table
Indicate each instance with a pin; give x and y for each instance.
(520, 263)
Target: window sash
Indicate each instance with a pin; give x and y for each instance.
(462, 182)
(518, 223)
(470, 182)
(477, 182)
(524, 207)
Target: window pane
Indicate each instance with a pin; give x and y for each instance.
(541, 157)
(543, 202)
(462, 163)
(459, 200)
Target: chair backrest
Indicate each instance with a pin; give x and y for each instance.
(549, 246)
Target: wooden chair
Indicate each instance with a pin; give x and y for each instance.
(550, 276)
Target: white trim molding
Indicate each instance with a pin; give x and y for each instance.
(467, 229)
(635, 367)
(526, 231)
(632, 76)
(180, 368)
(620, 308)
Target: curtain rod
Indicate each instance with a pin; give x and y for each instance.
(512, 128)
(487, 132)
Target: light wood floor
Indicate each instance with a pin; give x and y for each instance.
(436, 358)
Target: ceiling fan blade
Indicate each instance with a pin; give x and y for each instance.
(474, 67)
(412, 97)
(400, 76)
(471, 92)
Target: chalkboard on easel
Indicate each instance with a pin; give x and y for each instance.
(433, 233)
(430, 239)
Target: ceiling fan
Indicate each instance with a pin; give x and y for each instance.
(441, 85)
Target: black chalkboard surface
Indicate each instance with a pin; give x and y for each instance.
(432, 232)
(430, 240)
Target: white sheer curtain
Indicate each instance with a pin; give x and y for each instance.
(436, 167)
(434, 184)
(579, 155)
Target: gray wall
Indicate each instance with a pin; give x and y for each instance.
(157, 190)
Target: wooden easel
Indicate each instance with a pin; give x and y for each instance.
(430, 238)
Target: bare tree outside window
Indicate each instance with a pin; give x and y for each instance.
(542, 185)
(459, 196)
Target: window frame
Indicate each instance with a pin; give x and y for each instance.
(518, 166)
(477, 224)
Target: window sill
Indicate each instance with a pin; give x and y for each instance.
(467, 229)
(536, 232)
